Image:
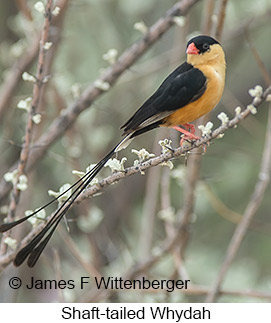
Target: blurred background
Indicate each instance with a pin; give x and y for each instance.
(128, 222)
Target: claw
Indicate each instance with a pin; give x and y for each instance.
(187, 134)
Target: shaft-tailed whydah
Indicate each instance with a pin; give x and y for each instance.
(190, 91)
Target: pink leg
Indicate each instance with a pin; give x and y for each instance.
(187, 134)
(189, 126)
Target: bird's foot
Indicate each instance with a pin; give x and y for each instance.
(187, 135)
(189, 127)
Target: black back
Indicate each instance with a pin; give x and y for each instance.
(184, 85)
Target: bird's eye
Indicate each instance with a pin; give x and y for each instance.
(205, 46)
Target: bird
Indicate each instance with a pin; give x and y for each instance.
(192, 90)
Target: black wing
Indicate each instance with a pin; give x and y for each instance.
(184, 85)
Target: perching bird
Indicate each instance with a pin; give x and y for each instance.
(190, 91)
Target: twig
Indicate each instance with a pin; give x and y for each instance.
(258, 59)
(35, 102)
(23, 63)
(194, 290)
(251, 22)
(251, 209)
(257, 195)
(208, 14)
(202, 290)
(170, 226)
(29, 126)
(256, 102)
(89, 268)
(97, 188)
(149, 210)
(14, 76)
(111, 75)
(231, 215)
(58, 273)
(221, 18)
(23, 7)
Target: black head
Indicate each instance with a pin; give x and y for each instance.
(202, 43)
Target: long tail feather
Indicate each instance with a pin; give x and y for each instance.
(35, 247)
(7, 226)
(36, 252)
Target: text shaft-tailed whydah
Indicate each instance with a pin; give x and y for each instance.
(190, 91)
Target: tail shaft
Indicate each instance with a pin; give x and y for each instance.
(34, 248)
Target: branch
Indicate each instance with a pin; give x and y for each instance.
(174, 240)
(251, 209)
(149, 209)
(221, 18)
(170, 226)
(257, 196)
(208, 14)
(89, 268)
(182, 151)
(202, 290)
(23, 63)
(92, 93)
(14, 76)
(194, 290)
(233, 216)
(258, 59)
(37, 88)
(115, 177)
